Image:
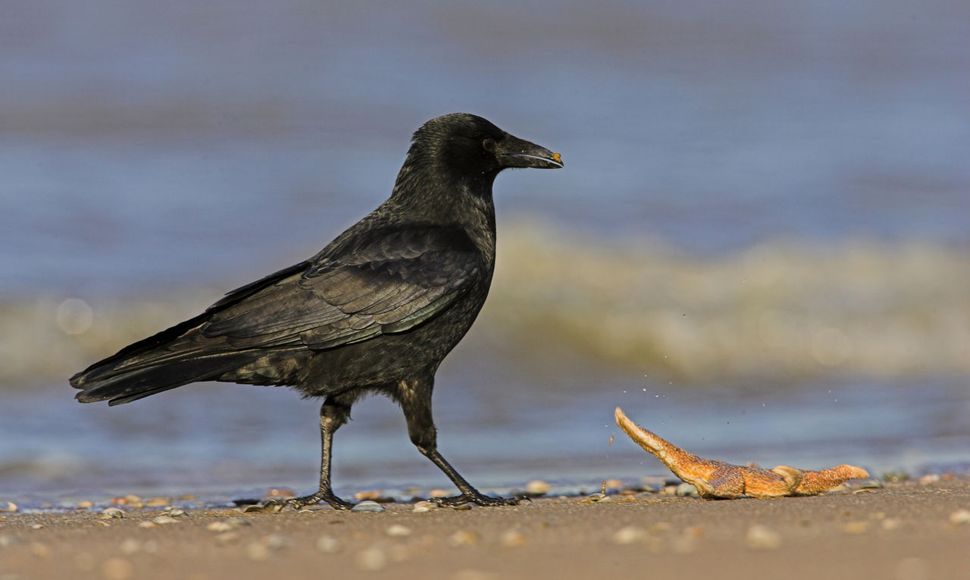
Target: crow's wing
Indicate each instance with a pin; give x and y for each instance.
(388, 282)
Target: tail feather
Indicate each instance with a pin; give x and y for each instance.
(164, 361)
(126, 386)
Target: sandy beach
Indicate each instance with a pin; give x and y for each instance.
(908, 531)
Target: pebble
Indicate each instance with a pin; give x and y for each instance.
(85, 504)
(112, 513)
(175, 512)
(367, 506)
(158, 501)
(890, 524)
(512, 539)
(686, 490)
(960, 517)
(762, 537)
(40, 550)
(463, 538)
(219, 527)
(257, 551)
(328, 544)
(130, 546)
(398, 531)
(372, 559)
(855, 527)
(8, 506)
(369, 494)
(146, 524)
(117, 569)
(537, 487)
(227, 537)
(438, 493)
(164, 520)
(280, 492)
(37, 526)
(929, 478)
(425, 506)
(629, 535)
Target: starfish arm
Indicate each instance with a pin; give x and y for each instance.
(684, 464)
(727, 482)
(816, 482)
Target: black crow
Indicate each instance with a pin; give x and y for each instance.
(375, 311)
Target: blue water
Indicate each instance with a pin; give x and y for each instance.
(149, 148)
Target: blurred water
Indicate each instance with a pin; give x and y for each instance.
(166, 149)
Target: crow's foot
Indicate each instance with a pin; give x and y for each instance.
(298, 503)
(475, 498)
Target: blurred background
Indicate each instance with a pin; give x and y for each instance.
(759, 246)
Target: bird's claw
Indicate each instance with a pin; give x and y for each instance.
(298, 503)
(475, 498)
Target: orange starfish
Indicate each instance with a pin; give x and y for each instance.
(717, 479)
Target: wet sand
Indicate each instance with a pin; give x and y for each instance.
(907, 531)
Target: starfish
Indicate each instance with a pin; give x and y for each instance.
(720, 480)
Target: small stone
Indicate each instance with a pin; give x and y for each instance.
(629, 535)
(328, 544)
(890, 524)
(280, 492)
(157, 501)
(37, 526)
(219, 527)
(175, 512)
(960, 517)
(762, 537)
(8, 506)
(537, 487)
(438, 493)
(112, 513)
(117, 569)
(276, 541)
(686, 490)
(371, 559)
(463, 538)
(611, 484)
(855, 527)
(257, 551)
(669, 490)
(370, 494)
(929, 478)
(146, 524)
(398, 531)
(425, 506)
(512, 539)
(164, 520)
(367, 506)
(85, 504)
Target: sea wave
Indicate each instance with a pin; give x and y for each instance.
(781, 310)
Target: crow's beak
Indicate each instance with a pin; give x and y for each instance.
(515, 152)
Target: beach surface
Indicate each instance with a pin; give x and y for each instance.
(905, 531)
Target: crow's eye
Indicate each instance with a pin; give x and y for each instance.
(489, 145)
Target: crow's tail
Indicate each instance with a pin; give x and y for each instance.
(167, 360)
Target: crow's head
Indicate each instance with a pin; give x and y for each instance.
(470, 145)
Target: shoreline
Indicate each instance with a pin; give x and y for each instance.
(907, 530)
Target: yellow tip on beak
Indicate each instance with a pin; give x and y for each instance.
(557, 157)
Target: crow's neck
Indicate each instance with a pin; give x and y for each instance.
(424, 193)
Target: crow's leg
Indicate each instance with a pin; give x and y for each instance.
(333, 413)
(415, 399)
